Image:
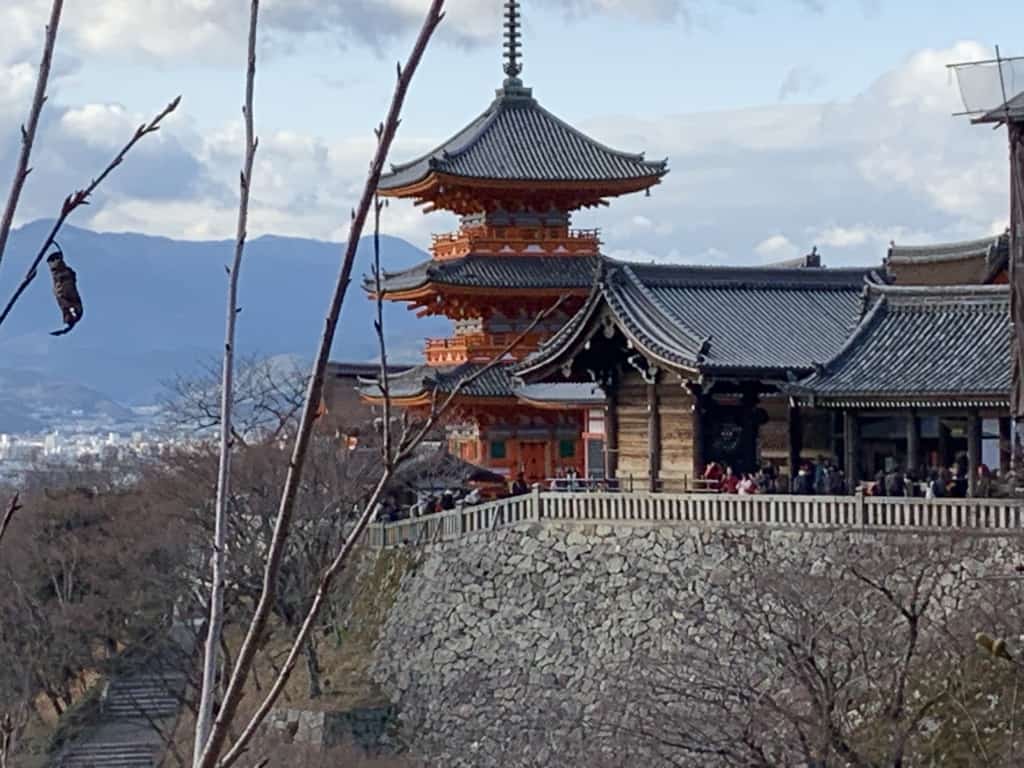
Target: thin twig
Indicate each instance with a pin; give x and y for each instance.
(378, 325)
(247, 653)
(28, 130)
(204, 720)
(12, 508)
(81, 197)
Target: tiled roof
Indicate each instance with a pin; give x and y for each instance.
(495, 382)
(529, 272)
(516, 139)
(940, 342)
(991, 248)
(568, 392)
(723, 318)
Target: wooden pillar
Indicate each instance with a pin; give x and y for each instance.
(796, 439)
(1005, 445)
(611, 434)
(973, 450)
(699, 462)
(851, 442)
(914, 445)
(653, 433)
(749, 424)
(944, 457)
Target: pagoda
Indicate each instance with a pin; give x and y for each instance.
(514, 176)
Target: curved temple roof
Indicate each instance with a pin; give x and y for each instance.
(516, 139)
(759, 320)
(990, 248)
(512, 272)
(424, 380)
(922, 343)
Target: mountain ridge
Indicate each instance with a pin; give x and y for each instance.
(154, 307)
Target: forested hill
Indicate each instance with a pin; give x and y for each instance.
(155, 306)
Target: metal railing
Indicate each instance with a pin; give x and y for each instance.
(991, 516)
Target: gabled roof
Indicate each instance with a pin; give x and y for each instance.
(435, 469)
(516, 139)
(523, 272)
(921, 344)
(739, 319)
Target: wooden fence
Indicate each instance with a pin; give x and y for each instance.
(899, 514)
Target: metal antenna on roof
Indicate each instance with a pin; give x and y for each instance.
(991, 93)
(513, 42)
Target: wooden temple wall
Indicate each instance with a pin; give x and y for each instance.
(675, 449)
(675, 407)
(633, 429)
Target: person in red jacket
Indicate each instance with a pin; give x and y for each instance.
(730, 483)
(713, 474)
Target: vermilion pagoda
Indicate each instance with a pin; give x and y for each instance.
(514, 175)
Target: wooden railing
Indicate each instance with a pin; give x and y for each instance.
(480, 346)
(513, 240)
(852, 512)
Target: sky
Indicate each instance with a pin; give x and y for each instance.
(787, 123)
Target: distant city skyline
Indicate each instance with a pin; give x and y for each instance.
(786, 125)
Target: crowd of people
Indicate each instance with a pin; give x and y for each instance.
(824, 478)
(821, 477)
(428, 504)
(937, 483)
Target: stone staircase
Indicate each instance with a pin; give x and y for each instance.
(148, 697)
(134, 708)
(129, 745)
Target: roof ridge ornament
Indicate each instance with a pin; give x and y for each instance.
(513, 43)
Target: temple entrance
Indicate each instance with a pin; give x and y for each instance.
(728, 440)
(533, 460)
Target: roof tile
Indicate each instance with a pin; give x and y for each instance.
(516, 139)
(943, 341)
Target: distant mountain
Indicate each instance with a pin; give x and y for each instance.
(154, 308)
(30, 402)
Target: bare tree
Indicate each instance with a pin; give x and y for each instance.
(851, 656)
(204, 718)
(213, 749)
(90, 575)
(267, 401)
(28, 130)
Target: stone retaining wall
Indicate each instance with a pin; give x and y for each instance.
(511, 643)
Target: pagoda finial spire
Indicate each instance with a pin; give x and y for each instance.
(513, 58)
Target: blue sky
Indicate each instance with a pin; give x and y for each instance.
(788, 123)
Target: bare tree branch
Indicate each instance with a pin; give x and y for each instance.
(385, 385)
(404, 451)
(28, 130)
(246, 656)
(204, 719)
(12, 508)
(81, 197)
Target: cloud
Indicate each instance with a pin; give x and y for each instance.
(213, 30)
(776, 248)
(800, 81)
(891, 163)
(746, 185)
